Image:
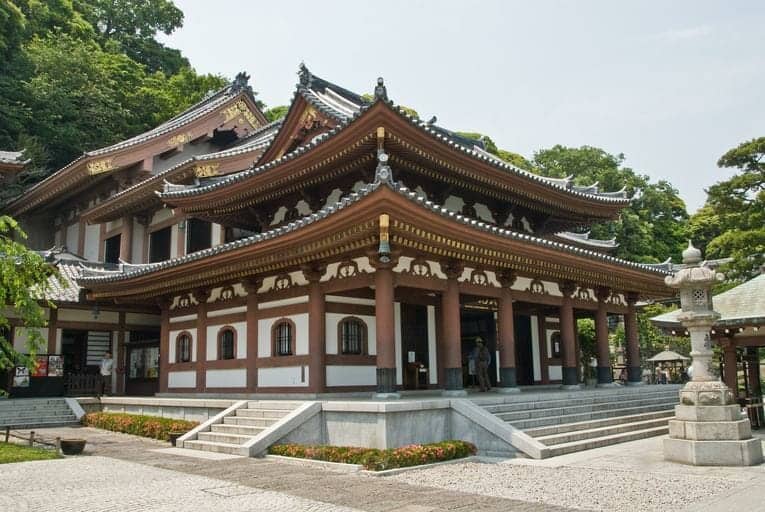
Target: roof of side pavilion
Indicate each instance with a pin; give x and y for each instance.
(347, 139)
(350, 227)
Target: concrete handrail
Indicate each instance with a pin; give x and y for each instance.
(76, 408)
(260, 443)
(511, 435)
(205, 427)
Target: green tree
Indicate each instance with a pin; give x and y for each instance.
(515, 159)
(24, 279)
(277, 112)
(588, 344)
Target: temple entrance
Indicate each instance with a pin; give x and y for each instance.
(477, 323)
(142, 363)
(524, 355)
(414, 346)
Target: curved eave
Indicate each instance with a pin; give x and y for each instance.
(536, 190)
(411, 216)
(75, 173)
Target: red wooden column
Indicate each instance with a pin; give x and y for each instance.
(568, 336)
(385, 329)
(201, 297)
(164, 344)
(252, 286)
(126, 239)
(605, 375)
(452, 329)
(730, 365)
(634, 372)
(506, 328)
(317, 373)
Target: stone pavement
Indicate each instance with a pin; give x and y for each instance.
(150, 480)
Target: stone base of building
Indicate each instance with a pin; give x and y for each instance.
(387, 396)
(507, 390)
(709, 430)
(454, 392)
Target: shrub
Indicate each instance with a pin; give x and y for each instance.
(378, 460)
(145, 426)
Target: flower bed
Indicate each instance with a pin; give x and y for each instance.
(145, 426)
(379, 460)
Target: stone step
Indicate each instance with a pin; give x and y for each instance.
(219, 437)
(237, 429)
(273, 405)
(588, 444)
(590, 424)
(272, 414)
(579, 409)
(252, 422)
(40, 423)
(593, 433)
(593, 415)
(35, 412)
(549, 404)
(209, 446)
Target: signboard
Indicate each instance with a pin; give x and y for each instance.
(41, 366)
(55, 366)
(21, 377)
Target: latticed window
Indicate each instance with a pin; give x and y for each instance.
(352, 333)
(183, 348)
(226, 348)
(284, 338)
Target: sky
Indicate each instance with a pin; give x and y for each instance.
(671, 85)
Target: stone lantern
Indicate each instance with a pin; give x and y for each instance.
(708, 429)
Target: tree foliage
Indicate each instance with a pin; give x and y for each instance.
(23, 281)
(508, 156)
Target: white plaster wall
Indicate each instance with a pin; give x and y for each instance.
(182, 379)
(182, 318)
(338, 299)
(351, 375)
(555, 372)
(86, 315)
(301, 334)
(331, 324)
(114, 224)
(397, 334)
(288, 376)
(284, 302)
(72, 237)
(216, 236)
(92, 241)
(236, 378)
(142, 319)
(227, 311)
(137, 250)
(160, 215)
(432, 359)
(21, 338)
(241, 340)
(535, 348)
(174, 234)
(171, 349)
(59, 334)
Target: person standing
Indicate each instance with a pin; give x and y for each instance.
(484, 359)
(105, 372)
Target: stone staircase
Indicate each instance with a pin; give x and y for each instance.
(241, 427)
(568, 422)
(24, 413)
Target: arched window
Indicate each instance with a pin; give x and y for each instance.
(183, 348)
(352, 336)
(227, 343)
(283, 335)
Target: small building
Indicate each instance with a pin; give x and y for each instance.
(11, 163)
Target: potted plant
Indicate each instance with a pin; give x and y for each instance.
(72, 446)
(173, 437)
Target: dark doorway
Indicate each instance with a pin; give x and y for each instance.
(414, 345)
(112, 250)
(524, 357)
(478, 323)
(198, 235)
(142, 363)
(159, 245)
(74, 348)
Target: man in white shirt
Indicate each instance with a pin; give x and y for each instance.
(106, 373)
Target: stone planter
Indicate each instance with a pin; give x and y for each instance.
(72, 446)
(173, 437)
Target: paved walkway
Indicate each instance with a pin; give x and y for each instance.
(144, 479)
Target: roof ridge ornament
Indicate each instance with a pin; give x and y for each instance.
(383, 172)
(241, 82)
(305, 75)
(381, 92)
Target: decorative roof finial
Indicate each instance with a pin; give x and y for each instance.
(433, 120)
(241, 82)
(691, 255)
(381, 93)
(305, 75)
(383, 172)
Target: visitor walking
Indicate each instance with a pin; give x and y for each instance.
(105, 374)
(484, 359)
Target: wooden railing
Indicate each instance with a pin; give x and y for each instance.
(79, 384)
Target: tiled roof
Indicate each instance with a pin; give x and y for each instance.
(137, 270)
(739, 305)
(584, 239)
(13, 158)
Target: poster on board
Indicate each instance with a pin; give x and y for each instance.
(55, 366)
(21, 377)
(41, 366)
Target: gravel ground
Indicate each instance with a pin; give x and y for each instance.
(610, 489)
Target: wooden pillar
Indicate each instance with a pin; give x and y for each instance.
(201, 297)
(634, 372)
(730, 365)
(385, 329)
(252, 286)
(506, 329)
(451, 327)
(317, 373)
(164, 344)
(605, 375)
(753, 371)
(52, 330)
(543, 354)
(568, 335)
(126, 239)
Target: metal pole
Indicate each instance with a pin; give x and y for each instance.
(32, 438)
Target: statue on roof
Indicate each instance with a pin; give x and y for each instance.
(241, 82)
(305, 75)
(381, 93)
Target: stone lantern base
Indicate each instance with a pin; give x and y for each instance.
(709, 430)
